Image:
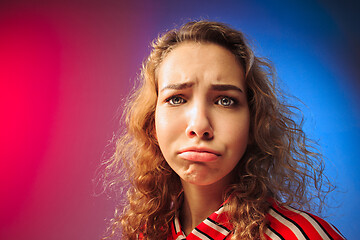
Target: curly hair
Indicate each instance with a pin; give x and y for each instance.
(280, 162)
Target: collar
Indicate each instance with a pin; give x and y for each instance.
(216, 227)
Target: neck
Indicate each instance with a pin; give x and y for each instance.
(199, 203)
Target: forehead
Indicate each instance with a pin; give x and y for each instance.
(194, 61)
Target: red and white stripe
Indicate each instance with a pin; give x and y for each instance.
(285, 223)
(289, 223)
(210, 229)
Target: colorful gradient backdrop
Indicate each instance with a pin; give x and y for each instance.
(65, 66)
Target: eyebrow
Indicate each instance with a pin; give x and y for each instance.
(225, 87)
(216, 87)
(178, 86)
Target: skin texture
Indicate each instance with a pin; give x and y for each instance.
(202, 123)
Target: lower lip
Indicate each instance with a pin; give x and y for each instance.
(198, 156)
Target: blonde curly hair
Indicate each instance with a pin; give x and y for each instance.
(280, 163)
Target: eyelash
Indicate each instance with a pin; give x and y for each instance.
(233, 101)
(168, 100)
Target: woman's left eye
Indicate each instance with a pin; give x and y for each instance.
(225, 101)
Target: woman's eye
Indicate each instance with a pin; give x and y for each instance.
(175, 100)
(225, 101)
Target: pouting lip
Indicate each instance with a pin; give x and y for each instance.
(199, 149)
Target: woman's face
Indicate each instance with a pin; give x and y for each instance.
(202, 116)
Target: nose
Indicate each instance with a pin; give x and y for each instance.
(199, 124)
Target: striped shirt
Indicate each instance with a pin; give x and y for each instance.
(284, 223)
(210, 228)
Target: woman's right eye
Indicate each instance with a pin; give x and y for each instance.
(175, 100)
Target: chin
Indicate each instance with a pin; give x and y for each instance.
(195, 179)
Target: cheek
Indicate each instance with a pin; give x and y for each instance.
(236, 126)
(167, 127)
(168, 119)
(237, 133)
(161, 125)
(166, 132)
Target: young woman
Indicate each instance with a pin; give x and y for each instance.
(211, 151)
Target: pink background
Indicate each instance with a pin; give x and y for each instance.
(67, 67)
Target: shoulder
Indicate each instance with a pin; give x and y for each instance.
(289, 223)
